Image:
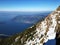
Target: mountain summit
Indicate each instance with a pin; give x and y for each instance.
(39, 33)
(46, 30)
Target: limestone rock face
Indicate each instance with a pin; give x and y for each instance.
(47, 29)
(58, 29)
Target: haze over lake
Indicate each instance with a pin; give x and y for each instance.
(16, 22)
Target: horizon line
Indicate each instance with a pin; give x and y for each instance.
(24, 11)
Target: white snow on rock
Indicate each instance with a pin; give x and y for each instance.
(59, 16)
(45, 31)
(58, 11)
(17, 38)
(59, 22)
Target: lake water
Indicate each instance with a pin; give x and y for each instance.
(10, 27)
(51, 42)
(13, 28)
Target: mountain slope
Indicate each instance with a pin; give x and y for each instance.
(31, 19)
(39, 33)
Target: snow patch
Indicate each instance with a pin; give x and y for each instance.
(59, 22)
(17, 38)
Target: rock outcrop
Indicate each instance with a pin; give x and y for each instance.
(47, 29)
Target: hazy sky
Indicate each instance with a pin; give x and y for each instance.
(28, 5)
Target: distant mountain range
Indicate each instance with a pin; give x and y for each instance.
(30, 18)
(22, 16)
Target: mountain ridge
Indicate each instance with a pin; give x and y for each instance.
(39, 33)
